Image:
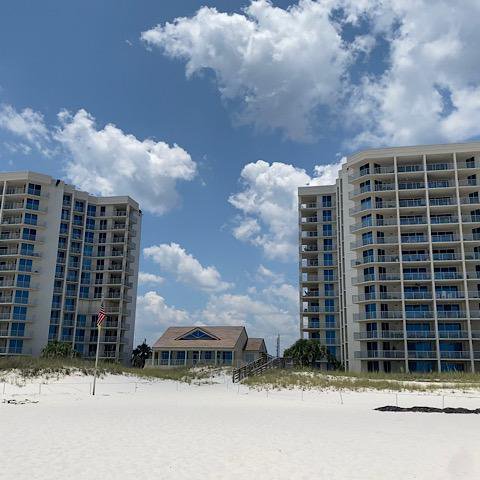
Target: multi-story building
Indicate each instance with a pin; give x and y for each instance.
(62, 251)
(406, 246)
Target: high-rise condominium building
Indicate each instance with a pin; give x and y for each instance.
(390, 260)
(62, 251)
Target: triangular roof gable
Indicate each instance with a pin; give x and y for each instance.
(197, 334)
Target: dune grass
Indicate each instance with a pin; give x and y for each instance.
(30, 368)
(314, 379)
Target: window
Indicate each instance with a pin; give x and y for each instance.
(91, 210)
(21, 296)
(63, 228)
(79, 206)
(81, 320)
(329, 289)
(88, 250)
(366, 203)
(56, 301)
(77, 220)
(19, 313)
(62, 243)
(97, 293)
(328, 259)
(23, 281)
(326, 201)
(76, 234)
(52, 332)
(67, 200)
(25, 265)
(329, 305)
(327, 215)
(32, 204)
(26, 249)
(327, 230)
(87, 264)
(18, 330)
(55, 317)
(69, 304)
(31, 218)
(330, 337)
(34, 189)
(89, 237)
(84, 292)
(103, 225)
(197, 335)
(101, 251)
(29, 234)
(102, 237)
(327, 244)
(328, 275)
(102, 211)
(15, 346)
(90, 224)
(330, 321)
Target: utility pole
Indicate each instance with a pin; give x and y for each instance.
(278, 345)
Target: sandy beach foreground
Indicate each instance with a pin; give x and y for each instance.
(170, 430)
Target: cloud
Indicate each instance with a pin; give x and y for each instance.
(153, 316)
(280, 64)
(111, 162)
(149, 278)
(266, 275)
(28, 125)
(268, 205)
(261, 318)
(173, 259)
(298, 69)
(430, 89)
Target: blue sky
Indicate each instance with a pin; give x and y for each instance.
(189, 107)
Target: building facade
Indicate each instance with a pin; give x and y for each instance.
(405, 244)
(62, 251)
(205, 345)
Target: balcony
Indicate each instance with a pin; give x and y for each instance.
(305, 206)
(376, 259)
(309, 220)
(379, 335)
(374, 354)
(460, 355)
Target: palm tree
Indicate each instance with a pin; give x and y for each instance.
(140, 354)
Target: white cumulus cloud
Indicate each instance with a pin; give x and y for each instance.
(149, 278)
(27, 124)
(172, 258)
(110, 162)
(153, 316)
(282, 64)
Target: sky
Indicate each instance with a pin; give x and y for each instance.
(211, 113)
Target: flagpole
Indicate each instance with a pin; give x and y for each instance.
(99, 326)
(96, 359)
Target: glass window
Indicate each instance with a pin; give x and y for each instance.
(25, 265)
(31, 218)
(84, 292)
(91, 210)
(326, 201)
(26, 248)
(15, 346)
(19, 313)
(79, 206)
(89, 237)
(327, 215)
(32, 204)
(90, 224)
(23, 280)
(29, 234)
(34, 189)
(327, 230)
(21, 296)
(18, 329)
(328, 259)
(329, 305)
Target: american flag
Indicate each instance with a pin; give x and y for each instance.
(101, 316)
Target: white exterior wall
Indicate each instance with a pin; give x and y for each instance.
(40, 311)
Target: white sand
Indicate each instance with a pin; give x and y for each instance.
(165, 430)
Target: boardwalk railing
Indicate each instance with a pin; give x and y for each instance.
(257, 367)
